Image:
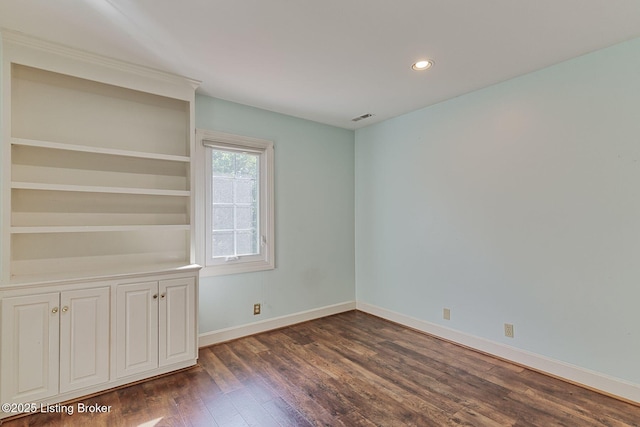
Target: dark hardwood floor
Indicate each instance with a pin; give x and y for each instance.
(351, 369)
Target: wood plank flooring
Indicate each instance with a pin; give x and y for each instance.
(350, 369)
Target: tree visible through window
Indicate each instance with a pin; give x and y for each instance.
(235, 203)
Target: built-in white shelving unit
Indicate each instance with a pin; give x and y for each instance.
(100, 176)
(98, 287)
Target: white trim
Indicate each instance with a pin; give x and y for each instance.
(212, 138)
(5, 159)
(575, 374)
(235, 268)
(266, 259)
(20, 39)
(228, 334)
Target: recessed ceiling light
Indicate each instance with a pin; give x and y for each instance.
(422, 65)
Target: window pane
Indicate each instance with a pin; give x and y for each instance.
(223, 243)
(245, 191)
(246, 165)
(245, 217)
(223, 190)
(247, 242)
(235, 203)
(223, 163)
(222, 217)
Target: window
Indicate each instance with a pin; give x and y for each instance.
(238, 208)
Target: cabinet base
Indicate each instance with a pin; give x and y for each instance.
(79, 395)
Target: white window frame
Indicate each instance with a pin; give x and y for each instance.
(265, 260)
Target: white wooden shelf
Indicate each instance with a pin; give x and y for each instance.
(96, 228)
(97, 150)
(98, 176)
(96, 189)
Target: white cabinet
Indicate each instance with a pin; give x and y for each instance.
(176, 322)
(65, 340)
(97, 214)
(30, 339)
(54, 342)
(84, 338)
(155, 325)
(136, 328)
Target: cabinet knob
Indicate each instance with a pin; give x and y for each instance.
(55, 310)
(162, 295)
(155, 296)
(65, 309)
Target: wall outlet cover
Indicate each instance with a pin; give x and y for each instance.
(508, 330)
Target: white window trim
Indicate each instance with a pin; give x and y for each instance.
(265, 261)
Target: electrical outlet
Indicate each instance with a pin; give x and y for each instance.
(256, 309)
(508, 330)
(446, 314)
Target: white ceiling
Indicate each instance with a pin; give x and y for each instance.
(332, 60)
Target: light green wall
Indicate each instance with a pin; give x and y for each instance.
(517, 203)
(314, 203)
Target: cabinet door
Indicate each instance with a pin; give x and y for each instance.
(136, 328)
(84, 338)
(30, 339)
(177, 321)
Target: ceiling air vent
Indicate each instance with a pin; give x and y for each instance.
(362, 117)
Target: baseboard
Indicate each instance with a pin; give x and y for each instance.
(235, 332)
(615, 387)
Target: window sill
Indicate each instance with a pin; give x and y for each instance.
(236, 268)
